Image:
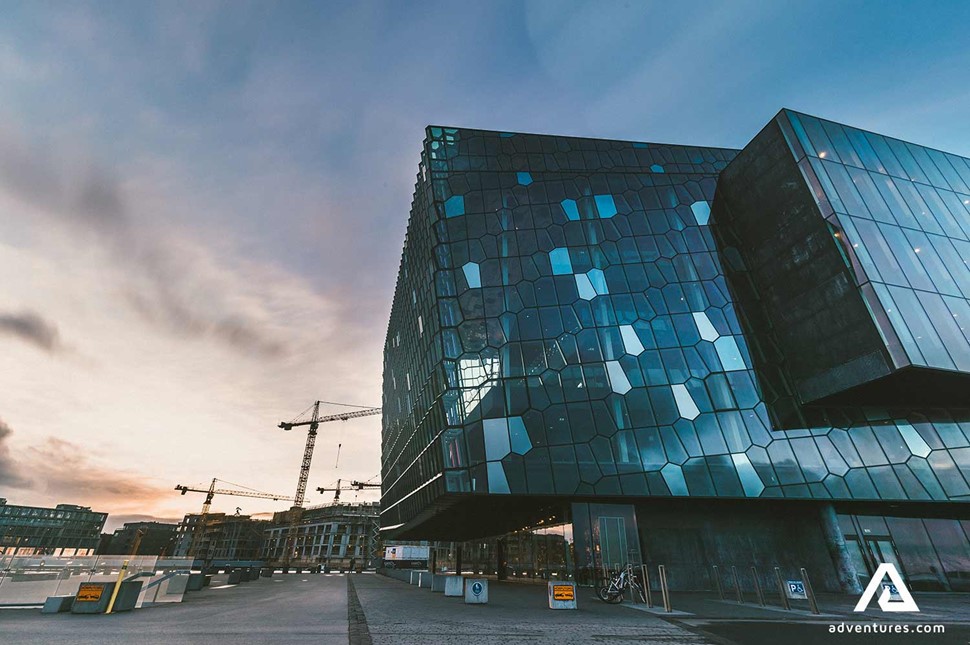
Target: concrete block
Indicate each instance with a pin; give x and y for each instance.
(195, 583)
(57, 604)
(438, 583)
(424, 579)
(235, 577)
(415, 577)
(93, 597)
(476, 591)
(455, 586)
(562, 594)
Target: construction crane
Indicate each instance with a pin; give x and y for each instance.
(211, 492)
(296, 512)
(354, 485)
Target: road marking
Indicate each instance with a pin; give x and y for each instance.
(222, 586)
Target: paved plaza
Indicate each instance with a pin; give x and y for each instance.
(367, 608)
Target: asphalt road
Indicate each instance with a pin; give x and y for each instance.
(285, 609)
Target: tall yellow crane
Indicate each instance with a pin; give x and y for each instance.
(211, 492)
(314, 421)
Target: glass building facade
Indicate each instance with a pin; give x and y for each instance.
(584, 331)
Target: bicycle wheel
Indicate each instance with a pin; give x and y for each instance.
(603, 593)
(614, 597)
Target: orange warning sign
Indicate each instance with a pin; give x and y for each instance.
(89, 593)
(563, 592)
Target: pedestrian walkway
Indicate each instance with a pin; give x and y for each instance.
(399, 613)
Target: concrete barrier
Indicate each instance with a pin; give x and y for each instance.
(415, 577)
(196, 582)
(57, 604)
(476, 591)
(235, 577)
(93, 597)
(562, 594)
(424, 579)
(438, 583)
(455, 586)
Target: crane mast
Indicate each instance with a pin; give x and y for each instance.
(296, 511)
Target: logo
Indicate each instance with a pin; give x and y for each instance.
(477, 588)
(895, 588)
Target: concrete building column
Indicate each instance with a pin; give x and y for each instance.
(835, 543)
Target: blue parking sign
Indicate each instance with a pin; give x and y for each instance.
(796, 589)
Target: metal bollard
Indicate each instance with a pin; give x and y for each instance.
(646, 585)
(809, 591)
(781, 589)
(717, 582)
(737, 584)
(663, 588)
(757, 586)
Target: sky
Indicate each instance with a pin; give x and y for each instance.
(202, 205)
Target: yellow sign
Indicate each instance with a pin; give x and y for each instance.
(563, 592)
(89, 593)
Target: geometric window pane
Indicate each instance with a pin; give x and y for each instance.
(497, 482)
(674, 477)
(702, 212)
(569, 207)
(455, 206)
(605, 205)
(559, 258)
(520, 441)
(685, 403)
(473, 275)
(496, 433)
(730, 355)
(750, 481)
(618, 379)
(705, 327)
(631, 342)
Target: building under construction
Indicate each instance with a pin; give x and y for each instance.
(221, 537)
(333, 535)
(67, 529)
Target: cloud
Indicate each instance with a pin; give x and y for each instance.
(30, 327)
(9, 472)
(170, 285)
(62, 471)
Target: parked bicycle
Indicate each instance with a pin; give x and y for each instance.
(615, 587)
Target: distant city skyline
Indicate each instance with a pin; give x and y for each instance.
(202, 205)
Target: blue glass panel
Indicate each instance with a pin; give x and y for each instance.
(454, 206)
(524, 178)
(730, 355)
(657, 168)
(520, 442)
(674, 477)
(618, 379)
(605, 205)
(585, 287)
(750, 481)
(559, 258)
(569, 207)
(496, 433)
(598, 280)
(685, 404)
(497, 483)
(914, 441)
